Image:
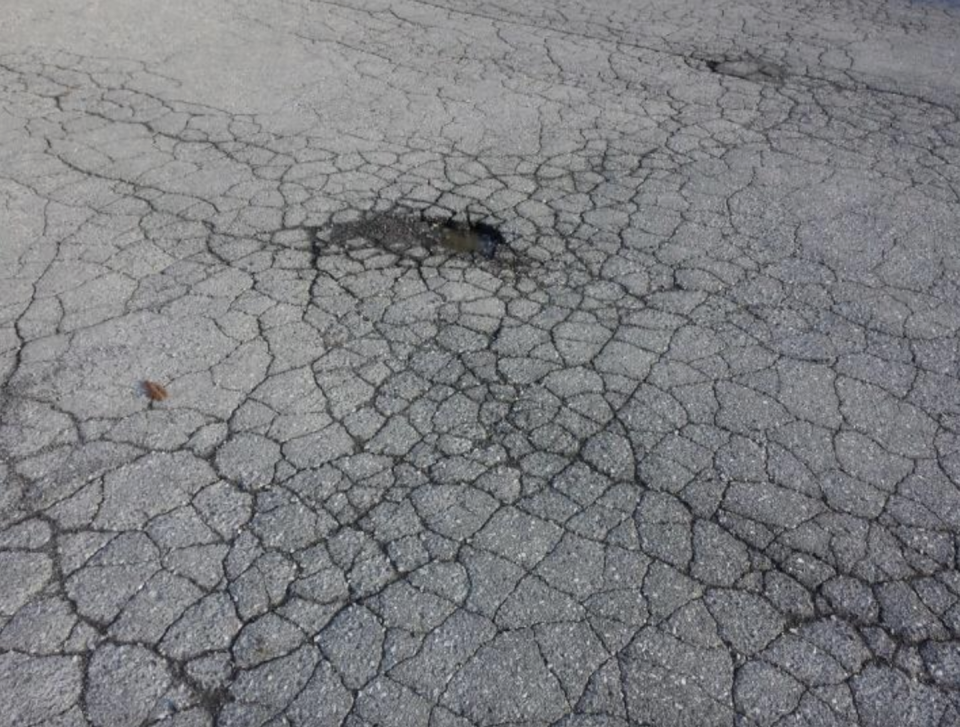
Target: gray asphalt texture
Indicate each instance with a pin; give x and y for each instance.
(684, 453)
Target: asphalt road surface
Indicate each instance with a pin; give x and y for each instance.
(684, 452)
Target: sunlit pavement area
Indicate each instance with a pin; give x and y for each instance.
(682, 451)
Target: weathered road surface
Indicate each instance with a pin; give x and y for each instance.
(686, 452)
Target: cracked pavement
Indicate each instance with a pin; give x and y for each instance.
(685, 452)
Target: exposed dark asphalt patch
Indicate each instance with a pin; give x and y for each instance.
(417, 238)
(749, 69)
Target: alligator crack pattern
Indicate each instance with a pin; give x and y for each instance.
(685, 451)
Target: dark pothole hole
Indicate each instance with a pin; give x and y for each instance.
(748, 68)
(416, 237)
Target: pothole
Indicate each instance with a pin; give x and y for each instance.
(749, 69)
(415, 238)
(477, 237)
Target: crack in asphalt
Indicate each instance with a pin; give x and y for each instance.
(534, 365)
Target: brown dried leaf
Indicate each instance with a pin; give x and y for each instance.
(154, 391)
